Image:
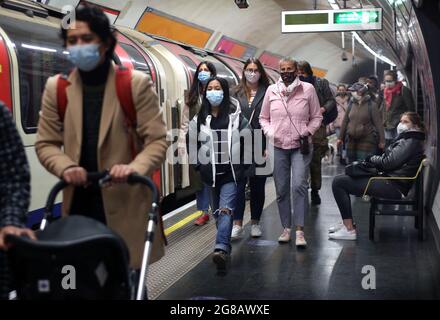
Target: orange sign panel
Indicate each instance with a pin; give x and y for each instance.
(154, 23)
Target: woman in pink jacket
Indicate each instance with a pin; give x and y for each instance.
(289, 117)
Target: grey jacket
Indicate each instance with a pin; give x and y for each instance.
(201, 151)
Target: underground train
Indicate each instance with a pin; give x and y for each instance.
(31, 50)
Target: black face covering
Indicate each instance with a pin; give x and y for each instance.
(288, 77)
(309, 79)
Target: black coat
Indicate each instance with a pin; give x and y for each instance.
(402, 158)
(14, 186)
(252, 114)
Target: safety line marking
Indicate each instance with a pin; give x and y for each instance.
(182, 222)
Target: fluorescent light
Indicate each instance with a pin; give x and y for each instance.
(28, 46)
(379, 56)
(335, 6)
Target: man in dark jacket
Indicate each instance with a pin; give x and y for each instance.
(329, 112)
(397, 100)
(14, 190)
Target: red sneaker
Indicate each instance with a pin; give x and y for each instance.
(200, 221)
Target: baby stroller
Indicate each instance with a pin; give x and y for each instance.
(78, 257)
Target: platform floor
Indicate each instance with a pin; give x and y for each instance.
(405, 268)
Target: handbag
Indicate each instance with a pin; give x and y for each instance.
(359, 169)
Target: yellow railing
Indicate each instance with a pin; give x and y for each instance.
(423, 163)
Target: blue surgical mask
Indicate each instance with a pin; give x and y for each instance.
(86, 56)
(204, 76)
(215, 97)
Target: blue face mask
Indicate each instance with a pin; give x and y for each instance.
(204, 76)
(86, 57)
(215, 97)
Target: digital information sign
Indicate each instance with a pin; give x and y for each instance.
(331, 20)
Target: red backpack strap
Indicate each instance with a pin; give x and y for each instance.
(123, 90)
(62, 85)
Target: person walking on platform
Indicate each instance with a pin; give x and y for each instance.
(401, 159)
(342, 98)
(397, 100)
(193, 102)
(362, 125)
(92, 133)
(250, 93)
(329, 112)
(14, 192)
(217, 150)
(290, 115)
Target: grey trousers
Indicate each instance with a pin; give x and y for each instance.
(291, 169)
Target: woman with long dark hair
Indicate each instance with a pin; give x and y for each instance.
(250, 93)
(217, 151)
(193, 102)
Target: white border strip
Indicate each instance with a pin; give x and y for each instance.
(179, 210)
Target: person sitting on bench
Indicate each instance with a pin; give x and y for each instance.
(401, 159)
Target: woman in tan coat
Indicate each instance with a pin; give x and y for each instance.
(93, 135)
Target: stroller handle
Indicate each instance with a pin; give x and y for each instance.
(100, 178)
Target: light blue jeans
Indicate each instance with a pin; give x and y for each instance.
(290, 175)
(202, 198)
(223, 197)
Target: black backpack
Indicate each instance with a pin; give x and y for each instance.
(330, 116)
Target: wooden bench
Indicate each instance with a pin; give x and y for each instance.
(411, 205)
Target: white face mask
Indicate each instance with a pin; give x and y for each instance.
(401, 127)
(356, 96)
(252, 77)
(390, 84)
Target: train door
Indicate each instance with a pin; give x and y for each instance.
(5, 73)
(35, 53)
(190, 63)
(130, 55)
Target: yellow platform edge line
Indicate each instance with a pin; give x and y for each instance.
(182, 222)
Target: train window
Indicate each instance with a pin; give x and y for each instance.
(139, 62)
(40, 55)
(190, 64)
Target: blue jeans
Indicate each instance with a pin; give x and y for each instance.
(202, 198)
(223, 197)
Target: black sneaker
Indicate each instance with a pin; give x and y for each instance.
(316, 199)
(219, 258)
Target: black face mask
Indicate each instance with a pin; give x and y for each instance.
(309, 79)
(288, 77)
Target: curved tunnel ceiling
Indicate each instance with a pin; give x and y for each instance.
(260, 26)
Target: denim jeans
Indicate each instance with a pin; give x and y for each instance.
(290, 176)
(202, 198)
(223, 196)
(257, 186)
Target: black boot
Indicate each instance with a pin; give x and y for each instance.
(315, 197)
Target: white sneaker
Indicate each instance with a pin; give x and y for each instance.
(300, 240)
(256, 231)
(285, 236)
(343, 234)
(338, 226)
(237, 232)
(335, 227)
